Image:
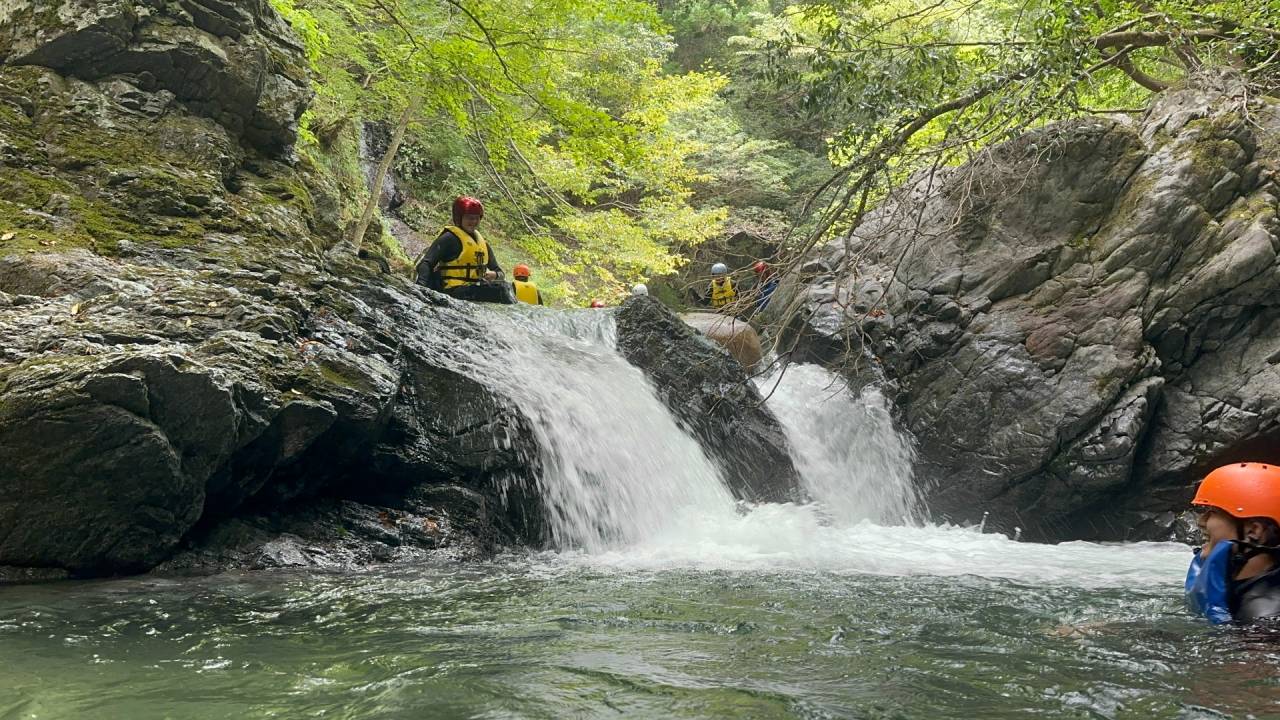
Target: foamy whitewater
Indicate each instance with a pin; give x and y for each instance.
(627, 488)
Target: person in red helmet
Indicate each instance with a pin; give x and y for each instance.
(525, 291)
(460, 262)
(597, 303)
(1235, 577)
(766, 283)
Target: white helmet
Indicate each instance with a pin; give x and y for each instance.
(640, 289)
(719, 269)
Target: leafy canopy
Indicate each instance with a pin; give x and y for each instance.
(562, 108)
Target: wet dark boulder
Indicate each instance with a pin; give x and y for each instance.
(712, 397)
(1079, 323)
(144, 404)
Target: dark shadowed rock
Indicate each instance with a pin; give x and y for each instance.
(1079, 323)
(709, 393)
(132, 418)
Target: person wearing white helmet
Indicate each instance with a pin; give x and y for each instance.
(639, 289)
(723, 293)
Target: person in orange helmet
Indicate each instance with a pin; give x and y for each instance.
(1235, 577)
(525, 291)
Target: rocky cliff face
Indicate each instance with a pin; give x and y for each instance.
(183, 376)
(1078, 324)
(237, 63)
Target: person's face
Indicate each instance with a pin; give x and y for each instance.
(1216, 526)
(471, 221)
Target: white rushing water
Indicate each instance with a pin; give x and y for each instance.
(627, 488)
(851, 458)
(615, 467)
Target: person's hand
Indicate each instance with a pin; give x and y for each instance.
(490, 275)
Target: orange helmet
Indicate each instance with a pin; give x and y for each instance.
(521, 271)
(1242, 490)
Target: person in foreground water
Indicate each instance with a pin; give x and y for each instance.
(1235, 577)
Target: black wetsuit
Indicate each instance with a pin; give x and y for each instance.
(1256, 598)
(447, 247)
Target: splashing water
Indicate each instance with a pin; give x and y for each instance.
(617, 471)
(852, 459)
(615, 468)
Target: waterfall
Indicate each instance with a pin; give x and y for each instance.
(851, 458)
(617, 470)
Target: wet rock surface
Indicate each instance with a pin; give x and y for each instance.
(144, 396)
(1078, 324)
(709, 393)
(189, 377)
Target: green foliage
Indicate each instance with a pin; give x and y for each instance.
(558, 113)
(892, 86)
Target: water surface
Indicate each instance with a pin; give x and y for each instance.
(963, 625)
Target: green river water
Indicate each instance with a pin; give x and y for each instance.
(1002, 630)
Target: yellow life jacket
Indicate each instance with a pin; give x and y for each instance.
(470, 265)
(526, 292)
(722, 292)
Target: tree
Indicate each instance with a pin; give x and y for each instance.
(563, 105)
(910, 84)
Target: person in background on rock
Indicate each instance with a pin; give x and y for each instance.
(597, 303)
(525, 291)
(460, 262)
(723, 293)
(1235, 577)
(766, 283)
(639, 289)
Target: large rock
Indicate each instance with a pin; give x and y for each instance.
(237, 63)
(186, 377)
(736, 336)
(140, 398)
(709, 393)
(1080, 322)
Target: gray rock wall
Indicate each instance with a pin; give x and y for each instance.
(1079, 323)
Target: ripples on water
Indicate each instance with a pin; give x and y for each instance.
(1001, 630)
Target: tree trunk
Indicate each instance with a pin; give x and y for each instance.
(375, 192)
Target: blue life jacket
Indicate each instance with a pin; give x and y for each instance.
(1208, 584)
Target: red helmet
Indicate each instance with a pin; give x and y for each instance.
(521, 271)
(597, 303)
(760, 266)
(466, 205)
(1243, 490)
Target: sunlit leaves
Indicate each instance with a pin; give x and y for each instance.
(560, 110)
